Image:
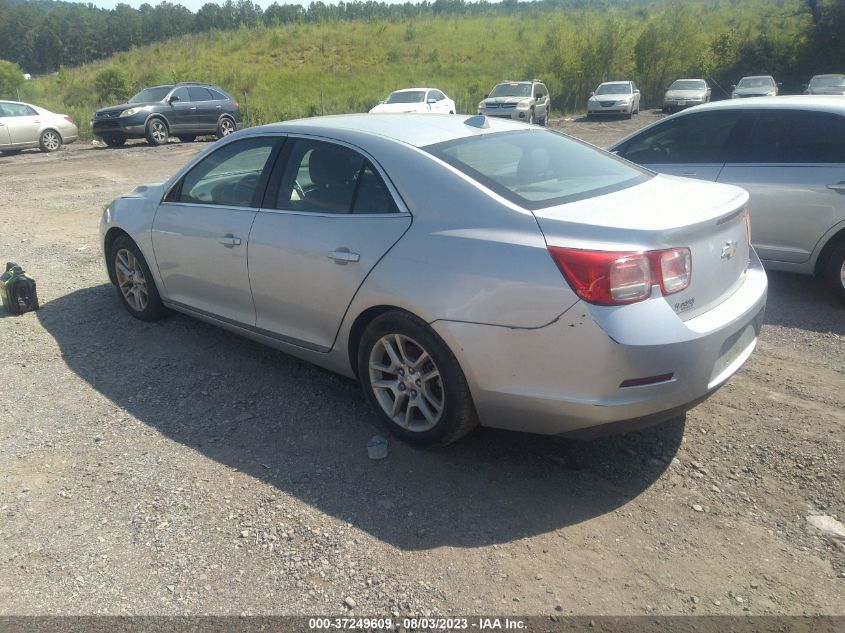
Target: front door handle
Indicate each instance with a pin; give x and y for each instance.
(230, 240)
(838, 186)
(344, 256)
(193, 107)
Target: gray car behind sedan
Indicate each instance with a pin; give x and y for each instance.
(26, 126)
(684, 93)
(464, 270)
(787, 152)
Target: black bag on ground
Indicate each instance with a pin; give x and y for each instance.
(17, 290)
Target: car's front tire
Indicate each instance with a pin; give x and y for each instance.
(134, 281)
(114, 141)
(836, 271)
(49, 141)
(156, 132)
(413, 381)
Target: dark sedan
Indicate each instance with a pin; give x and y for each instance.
(183, 110)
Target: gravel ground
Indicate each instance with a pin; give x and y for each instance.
(174, 468)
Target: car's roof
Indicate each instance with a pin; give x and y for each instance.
(825, 103)
(417, 130)
(521, 81)
(413, 89)
(829, 75)
(610, 83)
(689, 79)
(757, 77)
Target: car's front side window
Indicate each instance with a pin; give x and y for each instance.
(692, 139)
(181, 95)
(322, 177)
(230, 176)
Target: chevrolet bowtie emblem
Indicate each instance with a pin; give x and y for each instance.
(729, 249)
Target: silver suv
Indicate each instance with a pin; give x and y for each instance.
(526, 101)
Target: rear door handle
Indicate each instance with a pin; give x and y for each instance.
(838, 186)
(219, 107)
(230, 240)
(193, 107)
(344, 256)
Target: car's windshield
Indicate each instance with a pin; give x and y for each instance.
(512, 90)
(614, 89)
(149, 95)
(406, 96)
(831, 81)
(688, 84)
(537, 169)
(755, 82)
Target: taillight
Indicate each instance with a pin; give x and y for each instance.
(617, 278)
(235, 103)
(68, 119)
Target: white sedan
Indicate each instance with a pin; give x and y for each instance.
(417, 100)
(25, 126)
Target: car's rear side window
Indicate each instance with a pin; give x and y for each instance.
(794, 136)
(198, 93)
(217, 95)
(538, 168)
(688, 139)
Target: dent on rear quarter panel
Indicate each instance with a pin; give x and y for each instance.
(467, 256)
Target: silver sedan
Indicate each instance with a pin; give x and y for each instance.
(464, 270)
(25, 126)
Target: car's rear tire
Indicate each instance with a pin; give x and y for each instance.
(189, 138)
(114, 141)
(156, 132)
(225, 127)
(413, 381)
(835, 272)
(134, 281)
(49, 141)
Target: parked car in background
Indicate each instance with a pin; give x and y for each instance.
(508, 241)
(755, 86)
(787, 152)
(184, 110)
(526, 101)
(684, 93)
(614, 97)
(826, 85)
(25, 126)
(419, 100)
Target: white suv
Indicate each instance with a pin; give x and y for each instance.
(526, 101)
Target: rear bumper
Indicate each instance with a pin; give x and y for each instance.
(565, 378)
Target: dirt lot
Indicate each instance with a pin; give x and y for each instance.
(174, 468)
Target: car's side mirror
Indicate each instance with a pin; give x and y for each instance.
(780, 84)
(637, 91)
(173, 99)
(485, 96)
(380, 102)
(733, 86)
(432, 101)
(593, 93)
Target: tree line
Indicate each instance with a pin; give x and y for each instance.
(41, 35)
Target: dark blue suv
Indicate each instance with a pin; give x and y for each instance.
(183, 110)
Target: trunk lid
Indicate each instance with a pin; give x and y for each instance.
(664, 212)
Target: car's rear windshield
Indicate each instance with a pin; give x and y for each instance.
(406, 96)
(688, 84)
(151, 94)
(538, 168)
(829, 81)
(755, 82)
(512, 90)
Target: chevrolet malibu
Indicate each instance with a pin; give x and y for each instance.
(464, 270)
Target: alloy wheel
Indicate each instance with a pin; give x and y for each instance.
(842, 275)
(158, 131)
(227, 127)
(406, 382)
(51, 140)
(131, 279)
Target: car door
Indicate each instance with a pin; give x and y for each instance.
(205, 112)
(690, 145)
(328, 218)
(201, 229)
(5, 140)
(181, 112)
(793, 165)
(23, 124)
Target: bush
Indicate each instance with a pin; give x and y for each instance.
(112, 84)
(11, 78)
